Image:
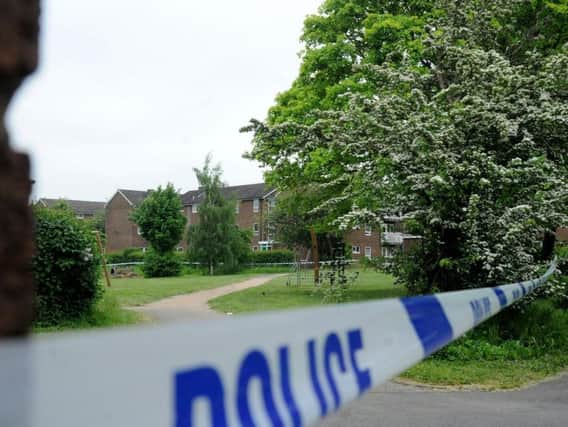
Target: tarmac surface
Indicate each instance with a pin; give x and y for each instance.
(397, 405)
(400, 405)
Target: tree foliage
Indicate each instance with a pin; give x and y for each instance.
(66, 267)
(457, 117)
(162, 222)
(160, 219)
(216, 240)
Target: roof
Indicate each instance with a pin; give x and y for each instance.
(239, 192)
(135, 197)
(79, 207)
(190, 197)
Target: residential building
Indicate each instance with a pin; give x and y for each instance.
(83, 209)
(121, 232)
(252, 206)
(253, 203)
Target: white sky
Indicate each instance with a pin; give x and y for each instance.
(134, 93)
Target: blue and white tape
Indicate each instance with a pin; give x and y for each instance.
(277, 369)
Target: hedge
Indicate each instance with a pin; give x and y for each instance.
(166, 264)
(272, 257)
(66, 267)
(127, 255)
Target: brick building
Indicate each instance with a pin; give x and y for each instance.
(121, 232)
(252, 207)
(253, 203)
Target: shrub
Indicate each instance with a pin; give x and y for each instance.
(66, 267)
(127, 255)
(272, 257)
(162, 264)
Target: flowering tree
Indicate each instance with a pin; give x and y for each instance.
(465, 132)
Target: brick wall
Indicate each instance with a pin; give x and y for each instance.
(358, 238)
(246, 218)
(121, 233)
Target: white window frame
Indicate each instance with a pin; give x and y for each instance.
(387, 252)
(356, 249)
(256, 228)
(368, 252)
(237, 207)
(368, 230)
(195, 208)
(256, 205)
(388, 227)
(138, 231)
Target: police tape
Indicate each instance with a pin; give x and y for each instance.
(277, 369)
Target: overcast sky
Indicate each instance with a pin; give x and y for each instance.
(134, 93)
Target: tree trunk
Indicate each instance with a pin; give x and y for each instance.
(18, 57)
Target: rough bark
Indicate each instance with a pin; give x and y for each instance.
(19, 22)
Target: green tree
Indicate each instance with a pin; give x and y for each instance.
(463, 126)
(162, 224)
(216, 239)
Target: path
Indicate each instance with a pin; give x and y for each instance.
(397, 405)
(195, 305)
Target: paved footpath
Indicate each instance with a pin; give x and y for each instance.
(398, 405)
(196, 305)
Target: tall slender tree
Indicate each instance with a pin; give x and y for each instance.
(216, 240)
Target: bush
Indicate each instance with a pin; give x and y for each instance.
(127, 255)
(66, 267)
(272, 257)
(162, 265)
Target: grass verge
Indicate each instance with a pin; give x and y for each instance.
(486, 374)
(277, 295)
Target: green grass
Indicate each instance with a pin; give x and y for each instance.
(107, 313)
(276, 295)
(486, 374)
(139, 291)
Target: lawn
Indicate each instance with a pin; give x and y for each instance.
(138, 291)
(110, 310)
(277, 295)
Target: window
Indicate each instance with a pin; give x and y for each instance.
(179, 249)
(138, 231)
(144, 249)
(388, 227)
(255, 228)
(237, 207)
(355, 249)
(387, 252)
(256, 205)
(368, 230)
(194, 208)
(265, 246)
(368, 252)
(255, 248)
